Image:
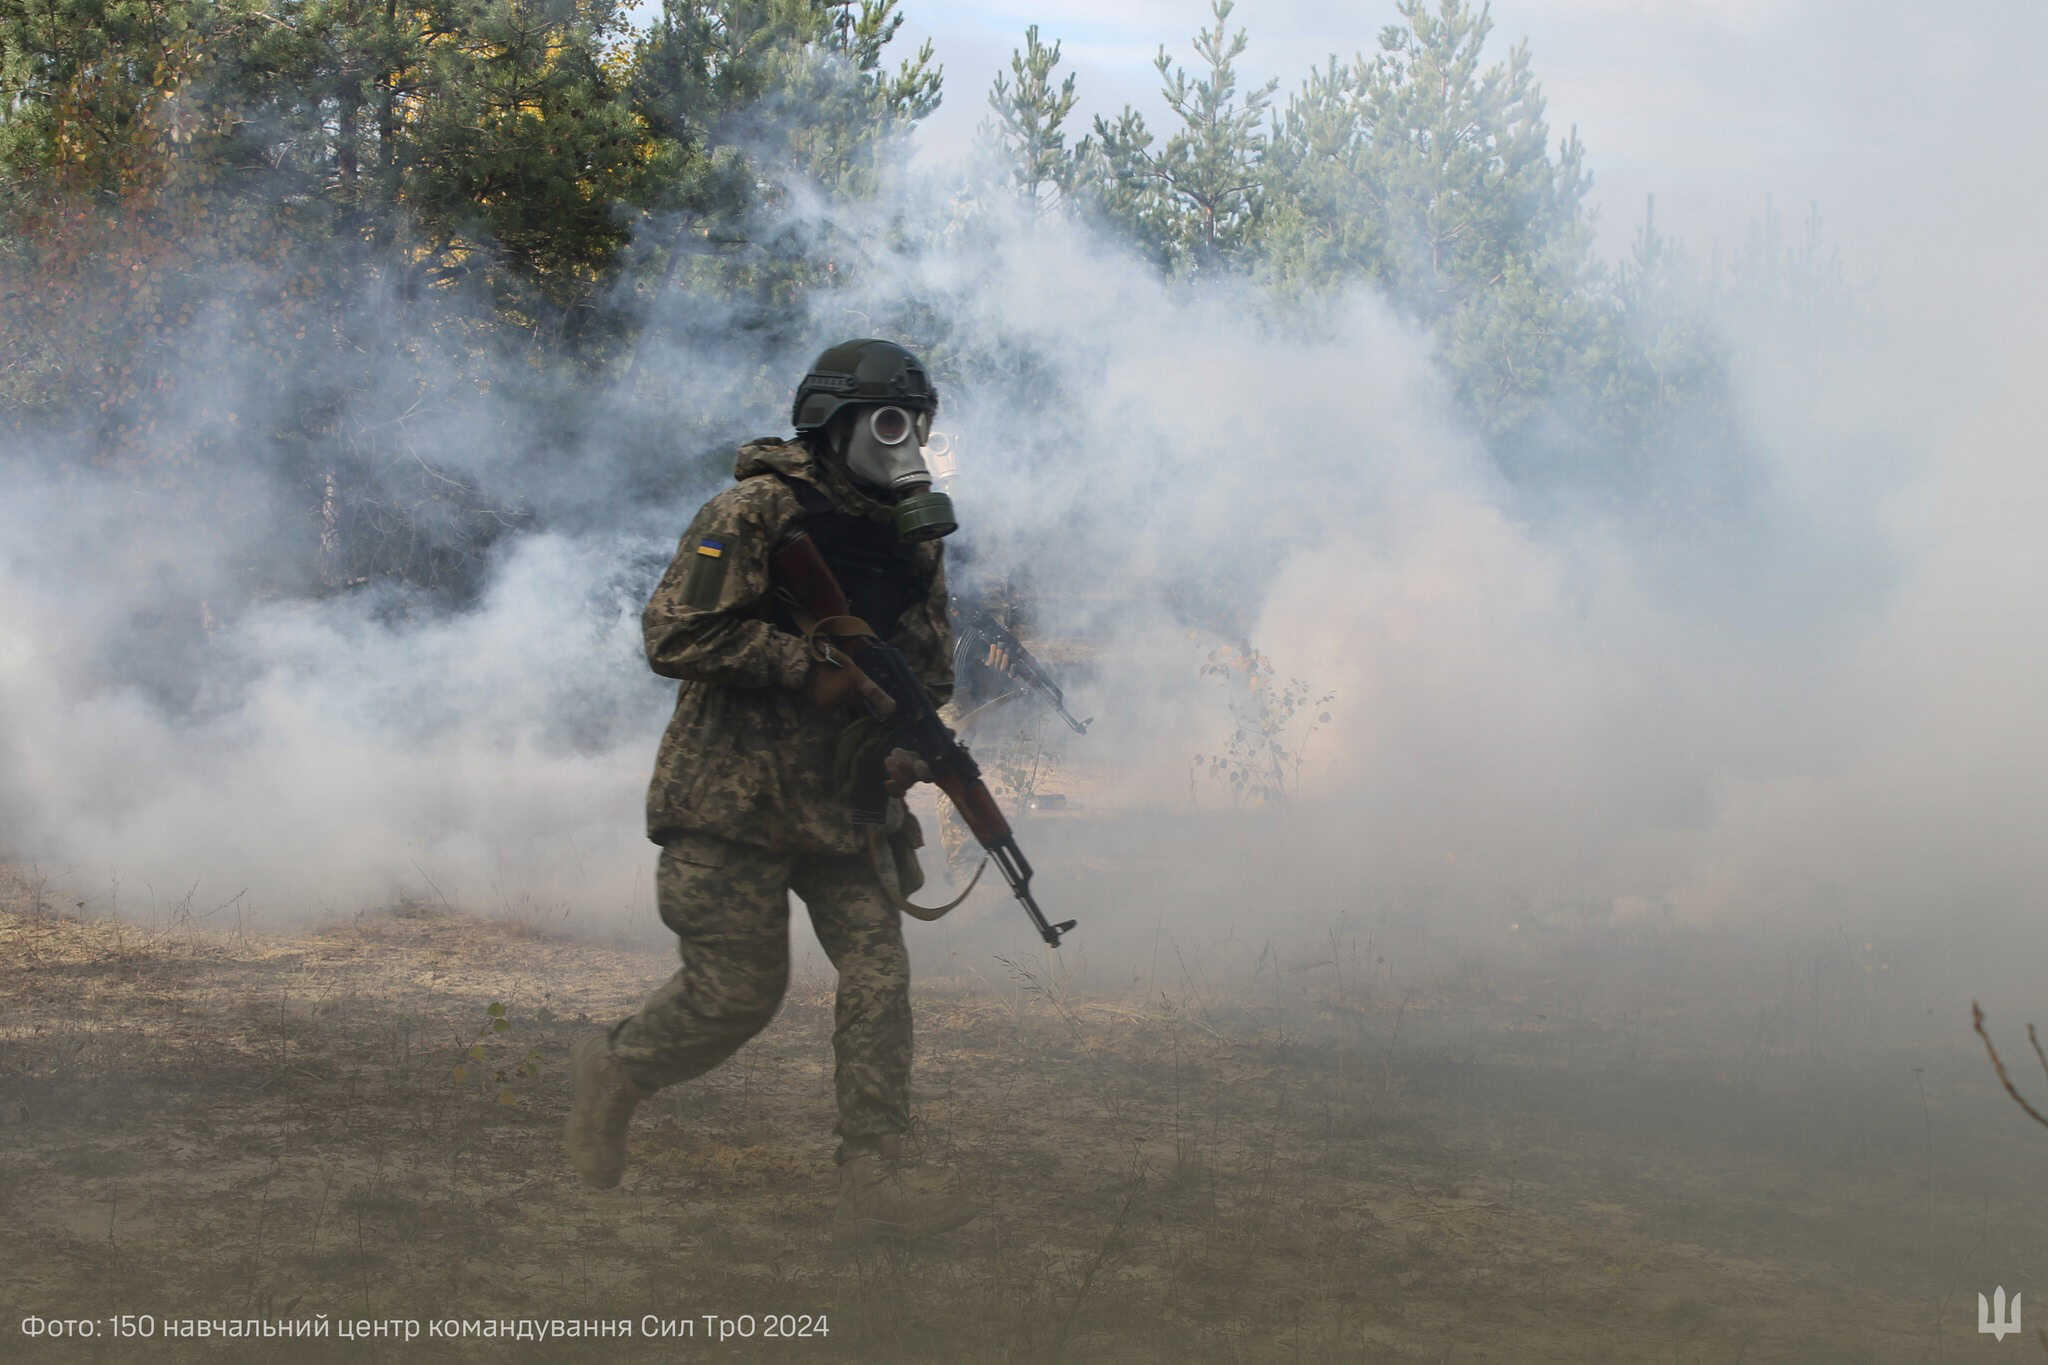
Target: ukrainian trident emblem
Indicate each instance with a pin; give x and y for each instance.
(1991, 1318)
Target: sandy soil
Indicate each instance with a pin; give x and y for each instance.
(1561, 1156)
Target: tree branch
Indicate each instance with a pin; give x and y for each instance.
(1977, 1021)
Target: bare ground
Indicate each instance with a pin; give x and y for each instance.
(1573, 1154)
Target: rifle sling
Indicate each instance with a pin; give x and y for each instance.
(885, 872)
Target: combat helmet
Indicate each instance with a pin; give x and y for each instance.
(866, 371)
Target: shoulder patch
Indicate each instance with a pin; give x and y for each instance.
(706, 580)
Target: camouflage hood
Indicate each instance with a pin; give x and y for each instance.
(794, 460)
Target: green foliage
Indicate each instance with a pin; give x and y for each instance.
(394, 210)
(749, 100)
(1430, 174)
(1029, 126)
(1272, 726)
(78, 77)
(1460, 162)
(785, 87)
(523, 152)
(1196, 201)
(505, 150)
(851, 108)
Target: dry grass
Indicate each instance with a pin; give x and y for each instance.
(1316, 1161)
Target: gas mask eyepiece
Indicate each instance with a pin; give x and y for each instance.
(892, 426)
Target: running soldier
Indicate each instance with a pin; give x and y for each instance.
(751, 801)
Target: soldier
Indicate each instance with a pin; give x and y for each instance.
(748, 804)
(991, 668)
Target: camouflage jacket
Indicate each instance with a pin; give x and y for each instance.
(746, 756)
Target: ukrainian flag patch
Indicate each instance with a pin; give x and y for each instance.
(705, 582)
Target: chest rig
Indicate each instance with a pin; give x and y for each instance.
(878, 572)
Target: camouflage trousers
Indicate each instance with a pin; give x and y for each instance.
(728, 904)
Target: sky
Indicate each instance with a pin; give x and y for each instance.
(1711, 105)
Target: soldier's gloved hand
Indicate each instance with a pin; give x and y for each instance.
(827, 685)
(902, 770)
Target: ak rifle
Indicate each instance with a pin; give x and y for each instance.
(979, 633)
(890, 689)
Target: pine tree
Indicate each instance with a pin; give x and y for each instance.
(1459, 160)
(749, 99)
(523, 155)
(840, 116)
(1197, 199)
(79, 79)
(1119, 181)
(1028, 127)
(1322, 223)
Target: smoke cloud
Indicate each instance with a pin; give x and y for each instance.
(1818, 697)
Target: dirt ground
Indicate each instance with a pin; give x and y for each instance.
(1612, 1145)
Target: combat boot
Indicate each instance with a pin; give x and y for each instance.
(888, 1193)
(595, 1136)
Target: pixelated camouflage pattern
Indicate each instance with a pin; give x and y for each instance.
(745, 757)
(728, 904)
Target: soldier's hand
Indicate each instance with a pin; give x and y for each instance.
(902, 770)
(998, 658)
(827, 685)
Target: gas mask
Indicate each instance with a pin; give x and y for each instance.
(942, 457)
(883, 456)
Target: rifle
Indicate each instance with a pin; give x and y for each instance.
(890, 688)
(978, 631)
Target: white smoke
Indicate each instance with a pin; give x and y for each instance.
(1824, 702)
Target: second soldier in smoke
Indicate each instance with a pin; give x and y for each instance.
(749, 799)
